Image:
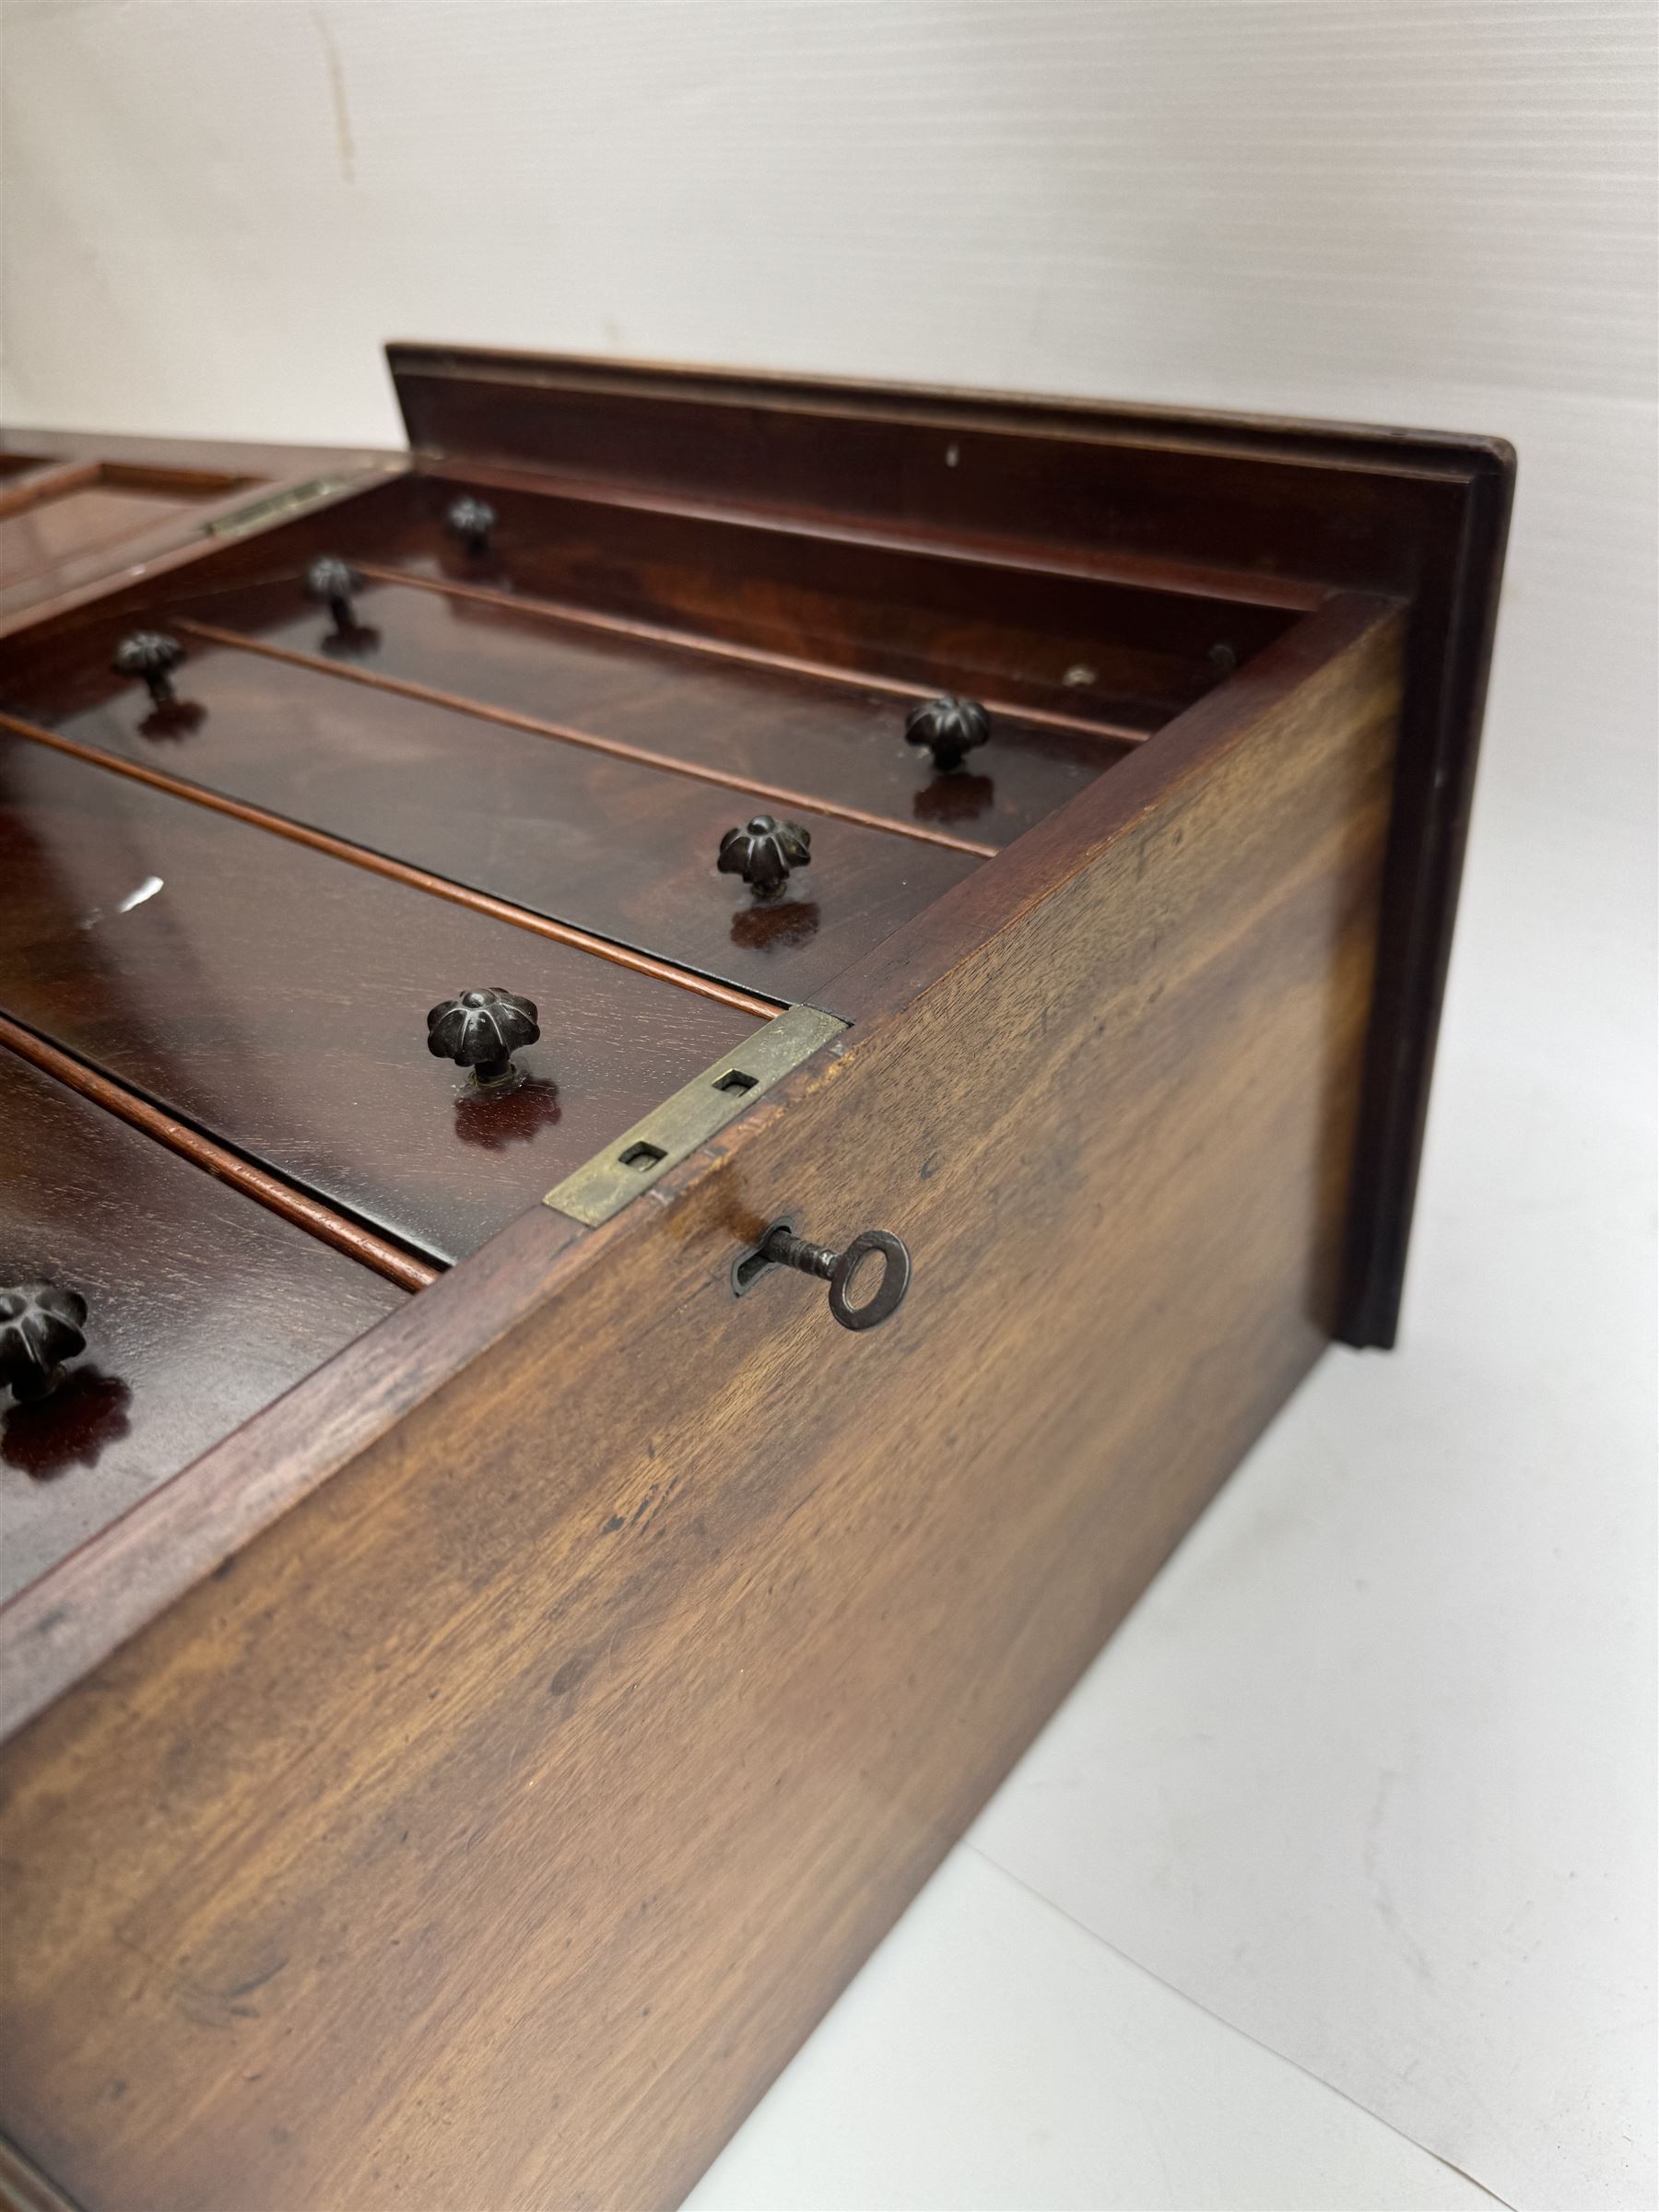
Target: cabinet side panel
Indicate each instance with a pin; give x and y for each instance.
(495, 1828)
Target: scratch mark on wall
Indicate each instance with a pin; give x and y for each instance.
(344, 141)
(1412, 1952)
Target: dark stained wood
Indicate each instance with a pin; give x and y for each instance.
(202, 1308)
(638, 630)
(285, 1198)
(1124, 650)
(425, 1798)
(90, 519)
(665, 474)
(561, 1756)
(798, 739)
(392, 870)
(396, 871)
(277, 1000)
(58, 1630)
(362, 665)
(1419, 516)
(238, 458)
(101, 502)
(620, 850)
(1244, 495)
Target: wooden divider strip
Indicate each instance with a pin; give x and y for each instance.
(532, 725)
(757, 656)
(51, 480)
(398, 871)
(273, 1190)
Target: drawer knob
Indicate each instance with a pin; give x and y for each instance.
(471, 521)
(150, 656)
(41, 1327)
(949, 728)
(331, 582)
(781, 1248)
(762, 851)
(482, 1030)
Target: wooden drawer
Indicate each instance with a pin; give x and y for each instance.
(204, 1306)
(276, 997)
(425, 1795)
(942, 612)
(611, 846)
(793, 736)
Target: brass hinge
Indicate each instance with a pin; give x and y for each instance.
(643, 1154)
(279, 506)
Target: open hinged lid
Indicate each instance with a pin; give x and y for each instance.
(1240, 508)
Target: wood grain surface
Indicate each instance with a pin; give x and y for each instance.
(89, 519)
(613, 847)
(1215, 500)
(560, 1758)
(308, 1212)
(76, 507)
(277, 999)
(202, 1308)
(941, 609)
(802, 739)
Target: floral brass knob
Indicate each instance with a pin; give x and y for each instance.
(482, 1030)
(762, 852)
(951, 728)
(151, 656)
(41, 1327)
(331, 582)
(471, 521)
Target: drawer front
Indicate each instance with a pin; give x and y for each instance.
(806, 738)
(202, 1306)
(278, 998)
(623, 850)
(949, 615)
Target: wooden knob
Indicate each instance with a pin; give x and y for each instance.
(482, 1030)
(150, 656)
(781, 1248)
(951, 728)
(331, 582)
(41, 1327)
(763, 851)
(471, 521)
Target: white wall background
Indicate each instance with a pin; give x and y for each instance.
(1439, 212)
(1418, 1634)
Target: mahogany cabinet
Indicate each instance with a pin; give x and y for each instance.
(484, 1655)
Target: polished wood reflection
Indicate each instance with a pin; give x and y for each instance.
(608, 846)
(201, 1308)
(285, 1198)
(396, 871)
(277, 1000)
(797, 739)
